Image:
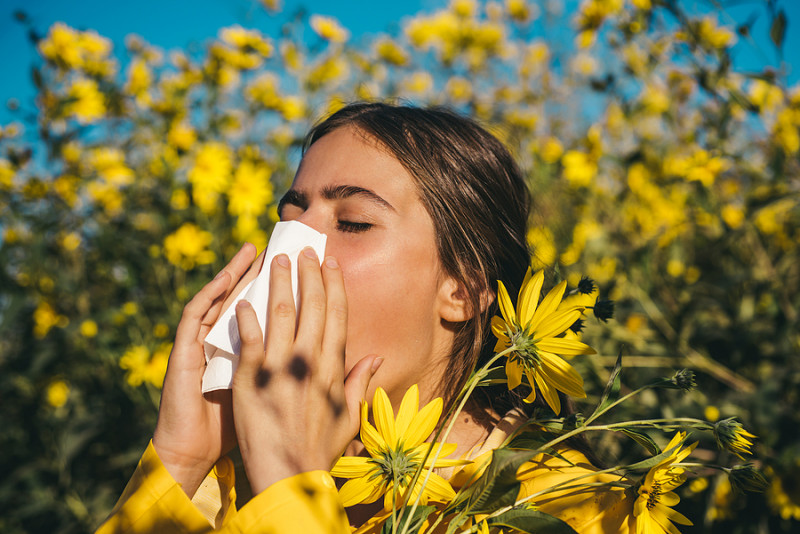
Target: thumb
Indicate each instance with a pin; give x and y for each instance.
(356, 385)
(251, 355)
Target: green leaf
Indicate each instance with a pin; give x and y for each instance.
(498, 486)
(611, 393)
(420, 514)
(531, 521)
(642, 439)
(778, 29)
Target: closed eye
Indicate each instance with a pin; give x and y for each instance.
(352, 227)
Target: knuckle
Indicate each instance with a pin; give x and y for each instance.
(282, 310)
(250, 337)
(316, 303)
(338, 311)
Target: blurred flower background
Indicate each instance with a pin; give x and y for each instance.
(660, 139)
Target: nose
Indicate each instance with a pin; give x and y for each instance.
(312, 219)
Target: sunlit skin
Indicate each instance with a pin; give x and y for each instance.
(364, 200)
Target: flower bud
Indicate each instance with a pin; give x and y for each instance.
(747, 478)
(683, 379)
(604, 309)
(731, 435)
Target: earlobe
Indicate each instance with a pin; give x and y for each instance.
(455, 304)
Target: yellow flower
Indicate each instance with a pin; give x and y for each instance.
(6, 174)
(550, 149)
(531, 332)
(251, 191)
(292, 107)
(518, 10)
(329, 70)
(210, 175)
(110, 165)
(579, 168)
(187, 247)
(396, 448)
(181, 135)
(458, 89)
(142, 367)
(329, 29)
(418, 82)
(782, 495)
(88, 328)
(87, 103)
(57, 393)
(391, 52)
(45, 318)
(651, 511)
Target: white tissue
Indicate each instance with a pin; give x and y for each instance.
(222, 343)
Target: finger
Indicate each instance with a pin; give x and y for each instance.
(335, 337)
(236, 268)
(356, 386)
(251, 354)
(193, 312)
(281, 316)
(311, 314)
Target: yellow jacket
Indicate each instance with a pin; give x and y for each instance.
(154, 503)
(309, 503)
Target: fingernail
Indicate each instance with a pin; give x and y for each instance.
(331, 262)
(375, 364)
(282, 260)
(219, 274)
(243, 304)
(309, 252)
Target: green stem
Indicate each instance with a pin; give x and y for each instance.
(617, 402)
(464, 397)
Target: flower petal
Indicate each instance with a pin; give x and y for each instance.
(370, 437)
(549, 393)
(549, 305)
(514, 374)
(384, 417)
(423, 424)
(560, 345)
(499, 328)
(562, 375)
(504, 302)
(408, 409)
(359, 490)
(529, 297)
(437, 488)
(352, 467)
(532, 397)
(558, 322)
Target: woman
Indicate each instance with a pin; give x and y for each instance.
(424, 211)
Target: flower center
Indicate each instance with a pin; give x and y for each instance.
(653, 495)
(526, 353)
(395, 465)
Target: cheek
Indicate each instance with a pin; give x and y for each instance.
(390, 297)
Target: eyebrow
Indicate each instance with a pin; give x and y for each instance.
(333, 192)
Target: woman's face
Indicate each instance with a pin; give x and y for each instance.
(352, 189)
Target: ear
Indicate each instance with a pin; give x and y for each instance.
(454, 302)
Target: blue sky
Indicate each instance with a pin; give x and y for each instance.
(176, 23)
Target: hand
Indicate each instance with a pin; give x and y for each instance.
(195, 430)
(293, 407)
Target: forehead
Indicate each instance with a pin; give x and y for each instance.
(346, 156)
